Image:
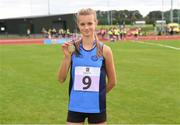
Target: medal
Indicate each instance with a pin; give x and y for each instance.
(71, 48)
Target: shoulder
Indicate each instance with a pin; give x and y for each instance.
(107, 52)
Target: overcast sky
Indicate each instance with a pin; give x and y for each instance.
(21, 8)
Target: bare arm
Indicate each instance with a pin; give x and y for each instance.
(110, 68)
(65, 65)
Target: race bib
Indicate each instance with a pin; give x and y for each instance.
(87, 79)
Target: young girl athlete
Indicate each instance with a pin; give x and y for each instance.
(89, 65)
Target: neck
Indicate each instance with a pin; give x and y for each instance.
(88, 42)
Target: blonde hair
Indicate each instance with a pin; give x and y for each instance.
(88, 11)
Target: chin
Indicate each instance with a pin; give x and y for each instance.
(87, 35)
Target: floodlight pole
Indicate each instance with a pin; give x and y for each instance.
(162, 20)
(48, 7)
(179, 16)
(171, 12)
(162, 10)
(178, 13)
(108, 16)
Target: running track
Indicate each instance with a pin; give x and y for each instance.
(27, 41)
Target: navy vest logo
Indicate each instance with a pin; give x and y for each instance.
(94, 58)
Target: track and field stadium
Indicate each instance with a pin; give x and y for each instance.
(147, 91)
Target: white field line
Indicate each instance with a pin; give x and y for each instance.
(158, 44)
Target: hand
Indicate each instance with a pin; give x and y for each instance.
(65, 46)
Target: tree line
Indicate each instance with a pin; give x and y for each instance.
(120, 17)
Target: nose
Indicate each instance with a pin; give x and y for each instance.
(86, 26)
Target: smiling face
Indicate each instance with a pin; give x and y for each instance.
(87, 24)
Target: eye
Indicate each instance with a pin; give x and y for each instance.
(82, 24)
(90, 23)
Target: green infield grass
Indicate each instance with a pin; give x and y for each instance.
(147, 91)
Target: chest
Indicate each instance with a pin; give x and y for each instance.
(87, 58)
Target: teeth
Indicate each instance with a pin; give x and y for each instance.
(71, 48)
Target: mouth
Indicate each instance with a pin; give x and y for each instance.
(86, 31)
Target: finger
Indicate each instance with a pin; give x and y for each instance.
(64, 45)
(68, 43)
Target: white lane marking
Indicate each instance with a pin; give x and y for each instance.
(158, 44)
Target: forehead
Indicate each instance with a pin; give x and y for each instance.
(86, 18)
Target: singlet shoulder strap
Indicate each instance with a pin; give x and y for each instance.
(100, 50)
(101, 44)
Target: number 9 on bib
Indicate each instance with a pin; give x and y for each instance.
(87, 79)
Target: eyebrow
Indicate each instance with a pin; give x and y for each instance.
(86, 23)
